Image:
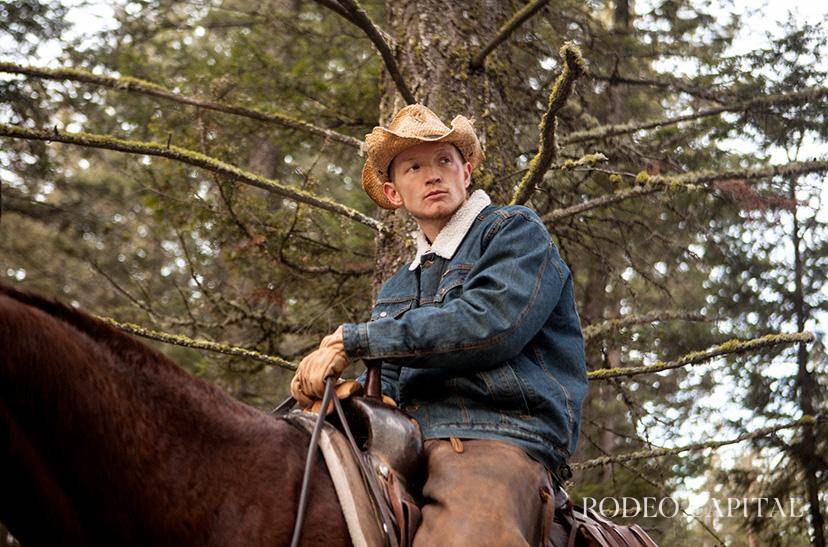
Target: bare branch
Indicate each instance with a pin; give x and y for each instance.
(354, 13)
(337, 8)
(507, 29)
(598, 330)
(604, 131)
(693, 180)
(126, 83)
(729, 347)
(547, 148)
(695, 447)
(190, 157)
(200, 343)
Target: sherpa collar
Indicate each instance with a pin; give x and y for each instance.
(449, 238)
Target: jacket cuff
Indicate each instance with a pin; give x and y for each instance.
(355, 338)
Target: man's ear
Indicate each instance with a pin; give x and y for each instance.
(391, 193)
(467, 169)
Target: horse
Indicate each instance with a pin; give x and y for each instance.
(106, 441)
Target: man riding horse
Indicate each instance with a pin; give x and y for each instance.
(479, 338)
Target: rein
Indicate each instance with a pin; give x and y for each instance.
(374, 489)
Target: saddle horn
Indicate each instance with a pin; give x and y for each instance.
(373, 379)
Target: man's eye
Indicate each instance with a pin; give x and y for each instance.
(413, 167)
(446, 159)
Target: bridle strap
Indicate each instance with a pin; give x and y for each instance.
(309, 461)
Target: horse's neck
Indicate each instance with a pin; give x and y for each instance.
(119, 435)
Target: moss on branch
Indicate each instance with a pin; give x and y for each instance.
(144, 87)
(761, 102)
(697, 357)
(209, 345)
(600, 329)
(694, 447)
(573, 68)
(694, 180)
(190, 157)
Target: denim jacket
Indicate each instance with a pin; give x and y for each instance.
(483, 341)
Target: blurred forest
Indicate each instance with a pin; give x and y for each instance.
(195, 171)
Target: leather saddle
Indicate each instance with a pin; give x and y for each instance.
(378, 483)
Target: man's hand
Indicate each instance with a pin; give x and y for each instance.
(342, 390)
(329, 360)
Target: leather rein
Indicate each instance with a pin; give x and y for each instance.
(372, 390)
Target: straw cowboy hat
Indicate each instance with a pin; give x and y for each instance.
(414, 124)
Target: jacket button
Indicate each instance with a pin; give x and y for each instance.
(383, 313)
(427, 263)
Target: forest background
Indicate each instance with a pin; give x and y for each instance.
(193, 168)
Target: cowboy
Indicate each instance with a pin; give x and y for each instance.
(479, 338)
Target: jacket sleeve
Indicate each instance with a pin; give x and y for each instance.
(507, 297)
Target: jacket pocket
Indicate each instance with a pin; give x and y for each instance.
(451, 283)
(392, 307)
(507, 390)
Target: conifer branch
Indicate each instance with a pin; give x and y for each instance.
(598, 330)
(381, 40)
(696, 357)
(693, 180)
(695, 447)
(126, 83)
(764, 101)
(587, 161)
(190, 157)
(201, 343)
(506, 30)
(547, 147)
(601, 201)
(677, 85)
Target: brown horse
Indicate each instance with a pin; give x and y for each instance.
(104, 441)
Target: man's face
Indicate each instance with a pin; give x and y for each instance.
(429, 180)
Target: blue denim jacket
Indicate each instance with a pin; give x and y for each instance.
(486, 344)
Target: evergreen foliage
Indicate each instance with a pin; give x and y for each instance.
(252, 231)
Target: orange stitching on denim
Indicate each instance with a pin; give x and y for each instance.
(567, 398)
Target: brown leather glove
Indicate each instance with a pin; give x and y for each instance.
(329, 360)
(343, 390)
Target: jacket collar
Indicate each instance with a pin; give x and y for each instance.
(449, 238)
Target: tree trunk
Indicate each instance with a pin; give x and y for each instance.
(608, 441)
(435, 44)
(807, 390)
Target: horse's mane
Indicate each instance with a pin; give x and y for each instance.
(93, 327)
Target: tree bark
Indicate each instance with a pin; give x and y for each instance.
(608, 441)
(435, 44)
(807, 389)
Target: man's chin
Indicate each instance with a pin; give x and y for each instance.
(437, 212)
(433, 217)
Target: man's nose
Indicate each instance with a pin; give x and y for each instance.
(432, 175)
